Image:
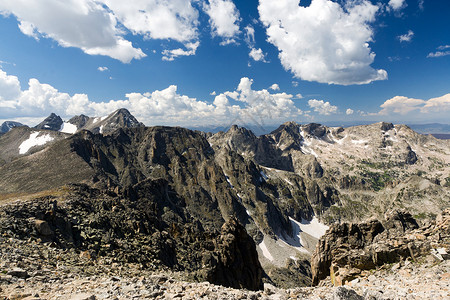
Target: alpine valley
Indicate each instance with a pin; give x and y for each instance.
(107, 208)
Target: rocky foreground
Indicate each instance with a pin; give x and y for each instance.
(31, 270)
(37, 269)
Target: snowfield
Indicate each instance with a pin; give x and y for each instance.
(265, 251)
(34, 140)
(313, 227)
(68, 128)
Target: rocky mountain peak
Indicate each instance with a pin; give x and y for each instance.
(236, 138)
(315, 129)
(386, 126)
(288, 127)
(79, 121)
(411, 157)
(238, 265)
(52, 122)
(177, 184)
(123, 117)
(235, 129)
(287, 136)
(8, 125)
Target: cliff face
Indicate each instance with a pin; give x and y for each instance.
(349, 249)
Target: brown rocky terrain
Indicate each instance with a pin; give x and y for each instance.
(169, 199)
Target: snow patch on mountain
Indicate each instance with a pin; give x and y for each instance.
(306, 144)
(68, 128)
(359, 142)
(313, 227)
(34, 140)
(99, 119)
(287, 180)
(228, 180)
(265, 251)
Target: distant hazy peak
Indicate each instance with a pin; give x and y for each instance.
(8, 125)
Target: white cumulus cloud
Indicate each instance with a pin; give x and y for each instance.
(442, 51)
(322, 107)
(98, 27)
(102, 69)
(154, 19)
(397, 4)
(257, 55)
(438, 104)
(349, 111)
(224, 19)
(400, 105)
(170, 55)
(83, 24)
(166, 106)
(404, 106)
(324, 42)
(274, 87)
(249, 35)
(407, 37)
(9, 87)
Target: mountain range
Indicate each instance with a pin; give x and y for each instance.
(285, 187)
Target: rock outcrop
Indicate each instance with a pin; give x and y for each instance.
(238, 264)
(347, 249)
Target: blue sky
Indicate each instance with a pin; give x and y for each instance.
(212, 62)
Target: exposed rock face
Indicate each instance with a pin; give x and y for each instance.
(315, 129)
(178, 176)
(52, 122)
(79, 121)
(43, 228)
(411, 156)
(348, 249)
(238, 265)
(193, 171)
(314, 169)
(386, 126)
(335, 167)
